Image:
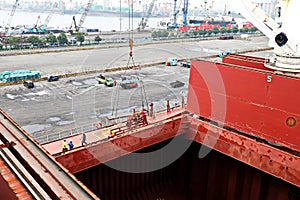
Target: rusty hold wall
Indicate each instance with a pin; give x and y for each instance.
(214, 177)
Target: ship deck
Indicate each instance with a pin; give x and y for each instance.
(110, 132)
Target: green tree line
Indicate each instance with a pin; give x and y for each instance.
(202, 32)
(41, 41)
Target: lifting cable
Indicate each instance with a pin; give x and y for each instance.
(144, 96)
(143, 92)
(130, 28)
(116, 101)
(130, 35)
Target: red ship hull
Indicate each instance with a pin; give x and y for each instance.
(242, 94)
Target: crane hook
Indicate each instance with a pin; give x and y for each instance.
(130, 46)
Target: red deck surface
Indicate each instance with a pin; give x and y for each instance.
(246, 61)
(55, 147)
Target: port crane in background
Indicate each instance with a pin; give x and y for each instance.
(185, 12)
(35, 28)
(175, 13)
(48, 18)
(204, 8)
(12, 12)
(82, 19)
(84, 14)
(144, 21)
(174, 25)
(211, 7)
(283, 37)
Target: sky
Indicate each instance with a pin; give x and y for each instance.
(191, 2)
(218, 4)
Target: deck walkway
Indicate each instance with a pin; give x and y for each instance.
(55, 147)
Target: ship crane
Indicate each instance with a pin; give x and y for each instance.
(10, 17)
(284, 37)
(144, 21)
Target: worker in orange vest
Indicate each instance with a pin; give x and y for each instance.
(144, 118)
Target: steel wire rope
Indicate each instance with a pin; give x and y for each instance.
(116, 101)
(116, 94)
(143, 91)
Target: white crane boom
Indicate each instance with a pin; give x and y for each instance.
(144, 22)
(11, 16)
(283, 37)
(47, 20)
(84, 14)
(37, 22)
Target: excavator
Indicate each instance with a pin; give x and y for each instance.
(76, 29)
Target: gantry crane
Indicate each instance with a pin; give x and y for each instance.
(7, 27)
(175, 13)
(143, 23)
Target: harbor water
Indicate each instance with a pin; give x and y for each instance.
(64, 21)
